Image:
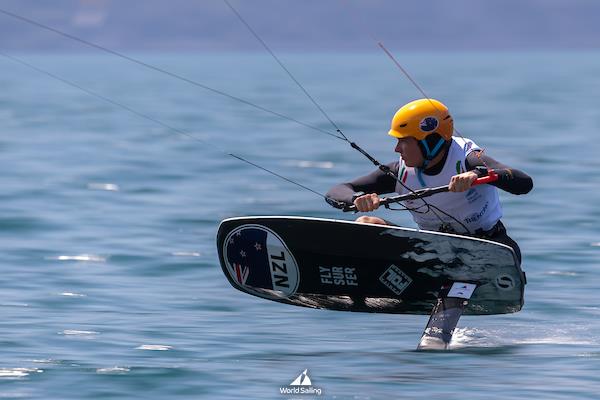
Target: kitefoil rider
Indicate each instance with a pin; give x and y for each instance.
(431, 156)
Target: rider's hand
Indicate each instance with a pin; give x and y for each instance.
(367, 202)
(462, 182)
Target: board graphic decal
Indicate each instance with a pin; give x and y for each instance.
(257, 258)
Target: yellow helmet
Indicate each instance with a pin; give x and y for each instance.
(421, 118)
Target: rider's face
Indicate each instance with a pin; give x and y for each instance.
(408, 148)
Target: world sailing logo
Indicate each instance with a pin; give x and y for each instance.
(302, 380)
(301, 385)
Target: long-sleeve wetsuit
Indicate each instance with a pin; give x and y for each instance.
(509, 179)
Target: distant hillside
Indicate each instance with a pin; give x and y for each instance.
(306, 25)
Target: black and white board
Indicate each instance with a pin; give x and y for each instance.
(347, 266)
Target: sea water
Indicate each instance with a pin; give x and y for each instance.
(110, 281)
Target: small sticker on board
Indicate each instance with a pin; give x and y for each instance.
(395, 280)
(462, 290)
(505, 282)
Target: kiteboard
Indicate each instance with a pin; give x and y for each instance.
(349, 266)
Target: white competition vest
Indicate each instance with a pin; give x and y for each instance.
(476, 208)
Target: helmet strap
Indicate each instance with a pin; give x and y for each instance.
(429, 154)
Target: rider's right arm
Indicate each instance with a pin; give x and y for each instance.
(375, 182)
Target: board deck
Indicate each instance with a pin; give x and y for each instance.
(343, 265)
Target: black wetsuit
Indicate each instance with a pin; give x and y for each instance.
(509, 179)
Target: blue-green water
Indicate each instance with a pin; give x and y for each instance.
(110, 284)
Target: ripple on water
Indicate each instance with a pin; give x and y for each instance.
(186, 254)
(14, 304)
(70, 294)
(17, 373)
(557, 340)
(113, 370)
(45, 361)
(109, 187)
(77, 333)
(79, 257)
(154, 347)
(562, 273)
